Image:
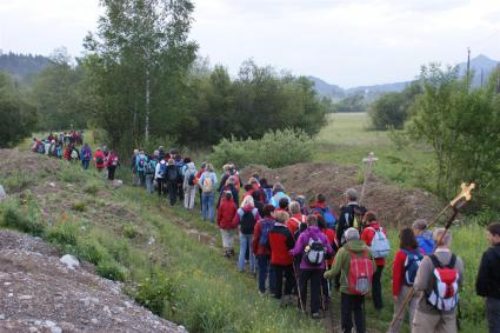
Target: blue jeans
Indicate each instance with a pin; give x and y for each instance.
(207, 206)
(264, 268)
(246, 242)
(85, 164)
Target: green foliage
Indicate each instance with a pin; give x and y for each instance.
(462, 127)
(17, 181)
(392, 109)
(130, 231)
(91, 188)
(353, 103)
(18, 117)
(111, 270)
(156, 293)
(64, 233)
(275, 149)
(26, 221)
(79, 206)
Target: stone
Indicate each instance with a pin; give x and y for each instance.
(70, 261)
(94, 321)
(25, 297)
(3, 195)
(2, 316)
(55, 329)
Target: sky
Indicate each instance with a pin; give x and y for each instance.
(344, 42)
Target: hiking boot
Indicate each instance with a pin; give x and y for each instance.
(315, 315)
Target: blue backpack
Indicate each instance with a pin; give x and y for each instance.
(269, 194)
(425, 244)
(412, 262)
(163, 170)
(266, 226)
(328, 216)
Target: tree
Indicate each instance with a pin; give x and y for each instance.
(462, 127)
(138, 62)
(18, 117)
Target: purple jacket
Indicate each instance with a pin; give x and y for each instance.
(316, 234)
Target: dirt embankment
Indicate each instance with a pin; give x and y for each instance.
(392, 204)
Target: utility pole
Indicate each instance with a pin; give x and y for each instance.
(468, 68)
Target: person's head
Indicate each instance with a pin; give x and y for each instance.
(228, 195)
(312, 220)
(256, 195)
(248, 202)
(442, 237)
(248, 187)
(225, 167)
(301, 200)
(320, 198)
(171, 161)
(263, 182)
(407, 239)
(294, 207)
(162, 162)
(253, 181)
(209, 167)
(419, 226)
(203, 165)
(136, 151)
(351, 194)
(278, 188)
(494, 233)
(351, 234)
(369, 217)
(230, 181)
(187, 160)
(281, 216)
(283, 203)
(268, 211)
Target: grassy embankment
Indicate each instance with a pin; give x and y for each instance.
(131, 238)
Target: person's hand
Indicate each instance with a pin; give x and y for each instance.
(395, 298)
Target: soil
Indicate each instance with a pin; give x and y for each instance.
(393, 205)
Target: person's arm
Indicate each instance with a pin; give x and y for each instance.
(367, 236)
(482, 277)
(337, 264)
(256, 237)
(298, 247)
(423, 274)
(398, 272)
(290, 242)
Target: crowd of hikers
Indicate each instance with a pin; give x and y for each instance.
(295, 247)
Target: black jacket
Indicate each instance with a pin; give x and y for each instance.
(348, 213)
(488, 277)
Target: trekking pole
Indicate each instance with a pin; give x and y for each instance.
(464, 196)
(302, 308)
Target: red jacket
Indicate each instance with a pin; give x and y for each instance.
(281, 242)
(367, 236)
(99, 154)
(294, 222)
(226, 213)
(112, 160)
(331, 236)
(398, 272)
(257, 248)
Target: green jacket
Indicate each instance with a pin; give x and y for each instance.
(342, 262)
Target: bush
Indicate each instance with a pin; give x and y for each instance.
(28, 223)
(92, 251)
(388, 111)
(64, 234)
(130, 231)
(78, 206)
(156, 293)
(275, 149)
(110, 269)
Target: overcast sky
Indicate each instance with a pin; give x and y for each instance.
(346, 42)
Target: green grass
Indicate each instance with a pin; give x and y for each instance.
(347, 139)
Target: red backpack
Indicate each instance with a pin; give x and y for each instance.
(359, 279)
(444, 294)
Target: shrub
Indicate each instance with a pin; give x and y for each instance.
(28, 223)
(78, 206)
(63, 234)
(275, 149)
(91, 188)
(156, 293)
(130, 231)
(91, 250)
(111, 270)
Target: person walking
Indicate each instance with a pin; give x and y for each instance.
(86, 156)
(171, 181)
(262, 250)
(189, 185)
(150, 173)
(424, 237)
(246, 217)
(314, 247)
(355, 266)
(404, 270)
(438, 279)
(488, 278)
(225, 218)
(112, 163)
(160, 172)
(351, 215)
(207, 183)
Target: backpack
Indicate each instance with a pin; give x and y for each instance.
(74, 154)
(180, 173)
(191, 179)
(266, 225)
(151, 167)
(352, 218)
(163, 170)
(315, 252)
(247, 221)
(142, 163)
(40, 148)
(86, 155)
(380, 244)
(269, 194)
(444, 294)
(99, 160)
(328, 216)
(114, 161)
(208, 184)
(425, 244)
(172, 174)
(359, 279)
(412, 262)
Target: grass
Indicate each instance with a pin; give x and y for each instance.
(347, 139)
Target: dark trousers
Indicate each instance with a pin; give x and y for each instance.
(493, 314)
(314, 275)
(111, 172)
(180, 191)
(161, 185)
(172, 192)
(377, 288)
(279, 272)
(266, 272)
(352, 305)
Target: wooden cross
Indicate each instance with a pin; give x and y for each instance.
(465, 194)
(368, 161)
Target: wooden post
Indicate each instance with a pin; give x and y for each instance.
(368, 165)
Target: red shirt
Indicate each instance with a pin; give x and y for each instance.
(398, 272)
(367, 236)
(225, 214)
(281, 242)
(294, 222)
(257, 248)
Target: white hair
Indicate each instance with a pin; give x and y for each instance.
(248, 201)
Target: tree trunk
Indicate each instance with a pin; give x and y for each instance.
(146, 118)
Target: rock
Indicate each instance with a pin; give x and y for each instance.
(117, 183)
(2, 316)
(25, 297)
(3, 195)
(70, 261)
(49, 323)
(55, 329)
(94, 321)
(151, 241)
(52, 184)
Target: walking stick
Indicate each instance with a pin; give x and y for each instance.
(464, 196)
(302, 308)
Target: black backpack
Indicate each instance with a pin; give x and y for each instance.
(191, 179)
(172, 173)
(247, 221)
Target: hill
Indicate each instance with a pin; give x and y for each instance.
(481, 66)
(22, 66)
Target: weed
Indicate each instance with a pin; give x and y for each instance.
(91, 188)
(29, 223)
(78, 206)
(129, 230)
(63, 234)
(111, 270)
(156, 292)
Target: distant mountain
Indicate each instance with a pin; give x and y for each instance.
(22, 66)
(481, 66)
